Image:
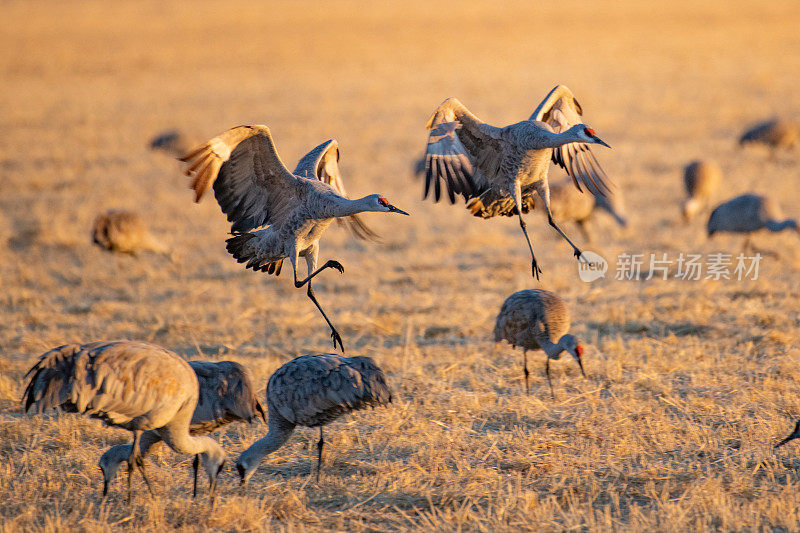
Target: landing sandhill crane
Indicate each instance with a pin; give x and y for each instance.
(254, 188)
(124, 232)
(132, 385)
(774, 134)
(226, 395)
(312, 391)
(537, 319)
(701, 180)
(746, 214)
(486, 164)
(173, 142)
(795, 435)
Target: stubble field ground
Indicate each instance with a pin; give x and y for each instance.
(689, 382)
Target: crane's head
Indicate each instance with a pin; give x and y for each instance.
(111, 461)
(213, 459)
(795, 435)
(585, 134)
(571, 344)
(379, 203)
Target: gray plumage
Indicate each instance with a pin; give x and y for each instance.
(226, 394)
(701, 180)
(312, 391)
(124, 232)
(775, 134)
(254, 188)
(537, 319)
(487, 164)
(132, 385)
(746, 214)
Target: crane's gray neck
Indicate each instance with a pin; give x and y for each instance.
(553, 350)
(774, 225)
(280, 430)
(554, 140)
(344, 207)
(183, 442)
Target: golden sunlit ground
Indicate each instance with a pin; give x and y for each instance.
(690, 382)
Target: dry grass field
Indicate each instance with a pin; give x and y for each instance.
(689, 384)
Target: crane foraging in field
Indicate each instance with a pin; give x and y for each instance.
(774, 134)
(794, 435)
(226, 394)
(254, 188)
(124, 232)
(537, 319)
(312, 391)
(487, 164)
(132, 385)
(746, 214)
(701, 180)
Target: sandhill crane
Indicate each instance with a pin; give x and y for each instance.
(312, 391)
(226, 395)
(746, 214)
(173, 142)
(795, 435)
(774, 134)
(486, 164)
(254, 188)
(132, 385)
(125, 232)
(701, 180)
(537, 319)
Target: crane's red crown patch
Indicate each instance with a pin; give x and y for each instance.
(589, 132)
(579, 350)
(383, 201)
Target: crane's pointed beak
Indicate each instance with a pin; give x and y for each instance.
(393, 209)
(598, 140)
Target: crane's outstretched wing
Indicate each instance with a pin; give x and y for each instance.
(251, 183)
(463, 152)
(323, 163)
(561, 111)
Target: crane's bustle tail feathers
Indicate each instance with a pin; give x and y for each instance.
(238, 247)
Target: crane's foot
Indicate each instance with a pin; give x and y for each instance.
(337, 338)
(332, 263)
(579, 256)
(535, 269)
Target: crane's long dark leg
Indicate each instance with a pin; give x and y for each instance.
(543, 189)
(195, 467)
(534, 265)
(549, 381)
(525, 368)
(575, 249)
(140, 464)
(320, 444)
(311, 261)
(132, 461)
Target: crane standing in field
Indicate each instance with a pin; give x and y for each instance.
(538, 320)
(486, 164)
(125, 232)
(254, 188)
(746, 214)
(312, 391)
(701, 180)
(226, 395)
(774, 134)
(132, 385)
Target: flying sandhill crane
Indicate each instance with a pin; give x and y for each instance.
(254, 188)
(795, 435)
(486, 164)
(132, 385)
(124, 232)
(173, 142)
(226, 395)
(746, 214)
(774, 134)
(537, 319)
(701, 180)
(312, 391)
